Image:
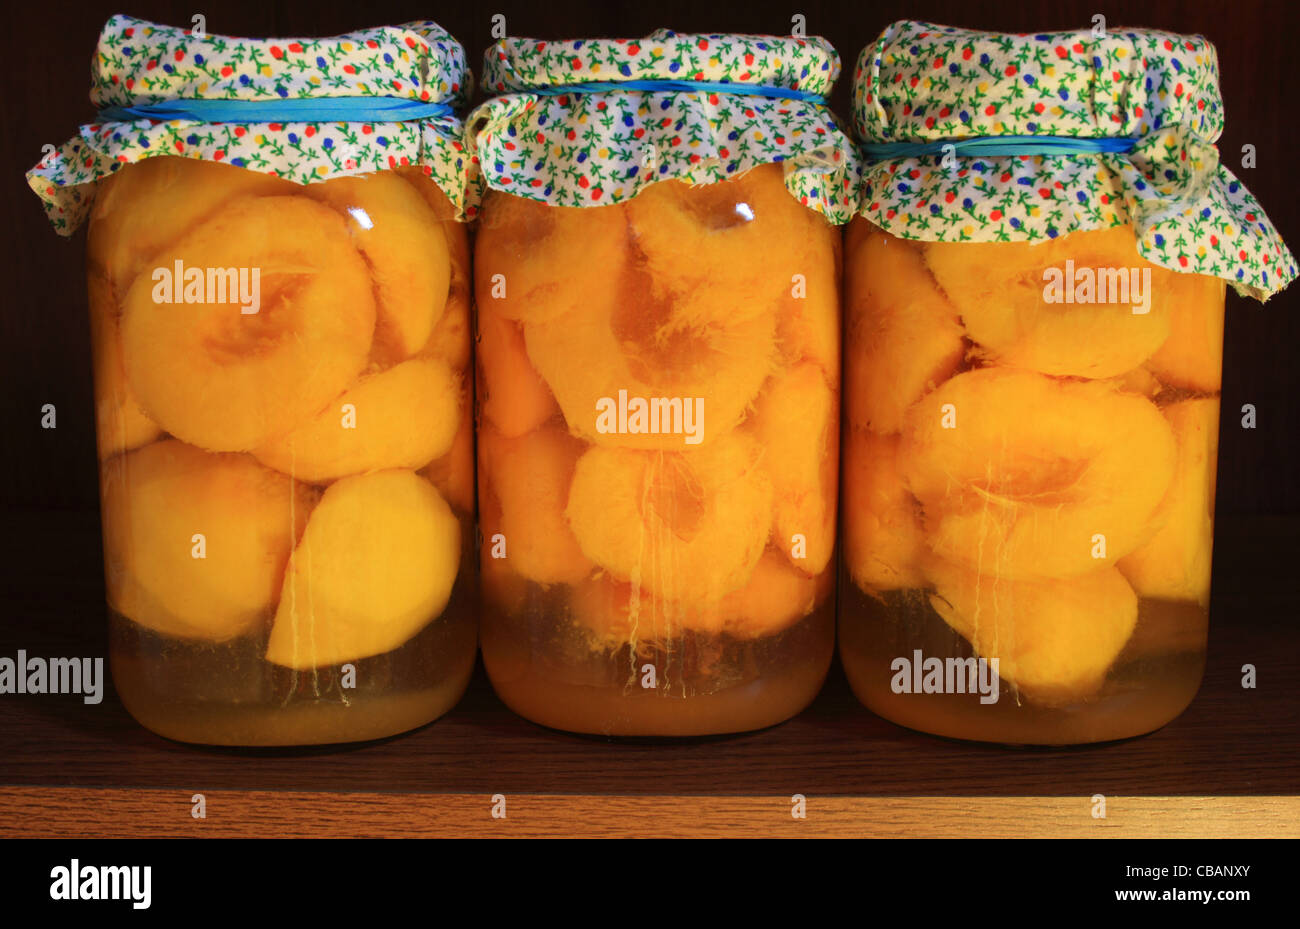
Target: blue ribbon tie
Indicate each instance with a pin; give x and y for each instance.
(298, 109)
(1000, 146)
(671, 86)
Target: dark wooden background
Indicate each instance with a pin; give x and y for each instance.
(44, 344)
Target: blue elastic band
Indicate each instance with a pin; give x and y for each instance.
(685, 87)
(1000, 146)
(301, 109)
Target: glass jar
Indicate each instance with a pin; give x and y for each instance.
(1034, 318)
(1027, 482)
(658, 431)
(284, 412)
(280, 328)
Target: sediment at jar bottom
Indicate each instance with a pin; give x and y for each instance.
(227, 694)
(1152, 680)
(542, 666)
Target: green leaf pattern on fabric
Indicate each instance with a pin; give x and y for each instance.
(595, 148)
(139, 62)
(921, 82)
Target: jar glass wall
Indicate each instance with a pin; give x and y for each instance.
(285, 435)
(658, 431)
(1029, 461)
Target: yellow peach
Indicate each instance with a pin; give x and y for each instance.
(775, 597)
(450, 340)
(684, 526)
(1175, 563)
(227, 380)
(453, 473)
(146, 206)
(120, 424)
(1023, 476)
(723, 251)
(589, 356)
(903, 336)
(403, 417)
(1055, 639)
(376, 564)
(796, 421)
(808, 314)
(195, 544)
(534, 262)
(1192, 356)
(999, 289)
(529, 476)
(513, 397)
(883, 541)
(403, 241)
(456, 232)
(451, 337)
(615, 613)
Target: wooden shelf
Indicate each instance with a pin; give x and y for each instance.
(1229, 765)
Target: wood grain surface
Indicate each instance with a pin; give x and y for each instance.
(75, 813)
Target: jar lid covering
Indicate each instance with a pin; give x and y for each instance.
(925, 83)
(587, 122)
(142, 64)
